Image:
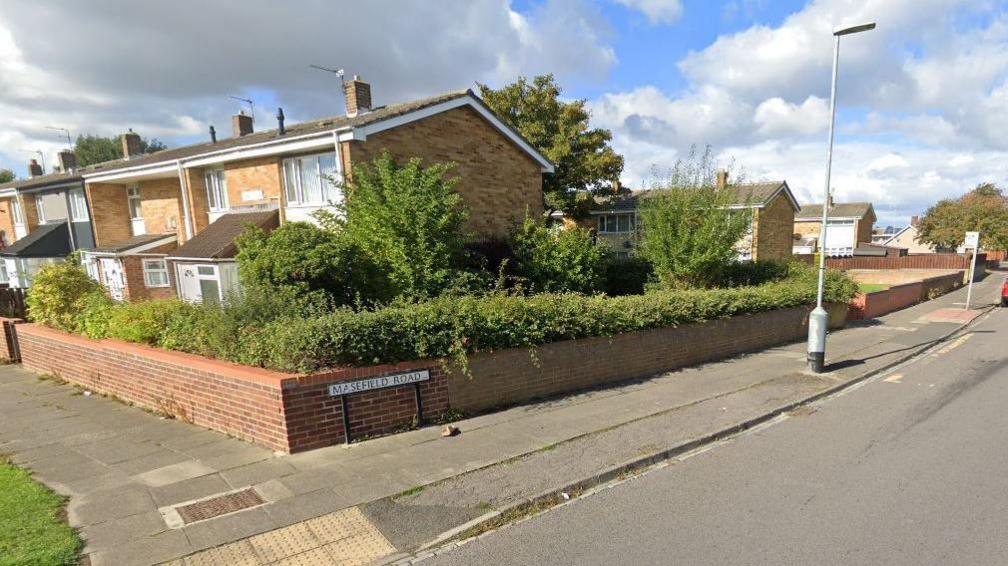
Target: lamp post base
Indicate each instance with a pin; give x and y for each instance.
(818, 322)
(816, 361)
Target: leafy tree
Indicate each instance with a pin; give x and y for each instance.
(582, 155)
(556, 260)
(984, 209)
(91, 149)
(6, 176)
(689, 231)
(408, 220)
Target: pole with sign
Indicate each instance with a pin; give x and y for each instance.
(972, 241)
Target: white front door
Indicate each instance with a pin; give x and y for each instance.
(113, 275)
(198, 283)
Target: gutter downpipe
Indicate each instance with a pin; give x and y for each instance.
(184, 187)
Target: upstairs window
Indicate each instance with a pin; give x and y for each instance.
(78, 206)
(308, 180)
(216, 188)
(616, 223)
(16, 212)
(133, 198)
(40, 209)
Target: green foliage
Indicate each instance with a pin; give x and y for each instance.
(557, 260)
(93, 320)
(984, 209)
(31, 528)
(742, 273)
(90, 149)
(143, 322)
(59, 292)
(690, 231)
(308, 259)
(626, 276)
(6, 175)
(559, 130)
(408, 220)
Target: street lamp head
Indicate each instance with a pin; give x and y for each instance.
(855, 29)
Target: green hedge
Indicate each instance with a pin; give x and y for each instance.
(272, 330)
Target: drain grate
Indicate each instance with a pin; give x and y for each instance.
(219, 505)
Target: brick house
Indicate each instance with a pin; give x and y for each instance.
(291, 169)
(42, 220)
(772, 204)
(849, 224)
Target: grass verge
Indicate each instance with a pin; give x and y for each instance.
(32, 525)
(871, 287)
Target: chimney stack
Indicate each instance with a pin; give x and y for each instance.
(34, 169)
(241, 124)
(213, 134)
(280, 121)
(67, 160)
(131, 144)
(915, 221)
(829, 200)
(722, 179)
(358, 96)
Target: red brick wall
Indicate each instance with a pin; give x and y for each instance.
(878, 303)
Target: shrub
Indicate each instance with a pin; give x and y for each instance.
(626, 276)
(93, 319)
(558, 260)
(739, 273)
(59, 292)
(308, 259)
(144, 322)
(408, 220)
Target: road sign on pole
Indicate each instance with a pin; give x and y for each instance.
(972, 241)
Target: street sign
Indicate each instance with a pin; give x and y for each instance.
(972, 240)
(972, 243)
(361, 385)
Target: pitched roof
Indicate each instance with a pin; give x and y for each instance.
(46, 240)
(130, 243)
(43, 181)
(751, 194)
(217, 241)
(838, 210)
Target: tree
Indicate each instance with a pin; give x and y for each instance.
(582, 155)
(408, 220)
(689, 230)
(558, 260)
(984, 209)
(6, 176)
(91, 149)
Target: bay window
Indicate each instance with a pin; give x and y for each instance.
(308, 180)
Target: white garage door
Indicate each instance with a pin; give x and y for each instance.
(840, 238)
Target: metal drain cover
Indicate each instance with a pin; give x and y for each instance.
(209, 507)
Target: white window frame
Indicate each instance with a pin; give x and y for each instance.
(133, 195)
(297, 190)
(150, 268)
(78, 206)
(16, 212)
(40, 209)
(216, 186)
(604, 220)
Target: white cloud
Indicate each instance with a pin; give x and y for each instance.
(156, 68)
(657, 11)
(778, 117)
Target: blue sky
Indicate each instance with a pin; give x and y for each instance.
(923, 99)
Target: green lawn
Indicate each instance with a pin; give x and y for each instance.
(31, 528)
(872, 287)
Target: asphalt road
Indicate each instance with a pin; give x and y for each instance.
(911, 468)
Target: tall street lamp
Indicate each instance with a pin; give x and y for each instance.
(819, 319)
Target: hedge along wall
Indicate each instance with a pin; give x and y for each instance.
(292, 413)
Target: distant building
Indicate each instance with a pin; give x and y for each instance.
(849, 224)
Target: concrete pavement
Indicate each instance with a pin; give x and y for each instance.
(126, 470)
(906, 469)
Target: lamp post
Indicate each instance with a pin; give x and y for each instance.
(819, 318)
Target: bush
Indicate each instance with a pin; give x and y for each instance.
(739, 273)
(59, 293)
(308, 259)
(143, 322)
(93, 319)
(558, 260)
(408, 220)
(626, 276)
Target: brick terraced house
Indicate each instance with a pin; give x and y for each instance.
(770, 236)
(296, 170)
(42, 220)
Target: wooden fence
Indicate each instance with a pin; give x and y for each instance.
(918, 261)
(12, 302)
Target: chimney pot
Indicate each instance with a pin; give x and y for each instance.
(131, 144)
(722, 179)
(915, 221)
(241, 124)
(213, 134)
(280, 121)
(358, 96)
(67, 160)
(34, 169)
